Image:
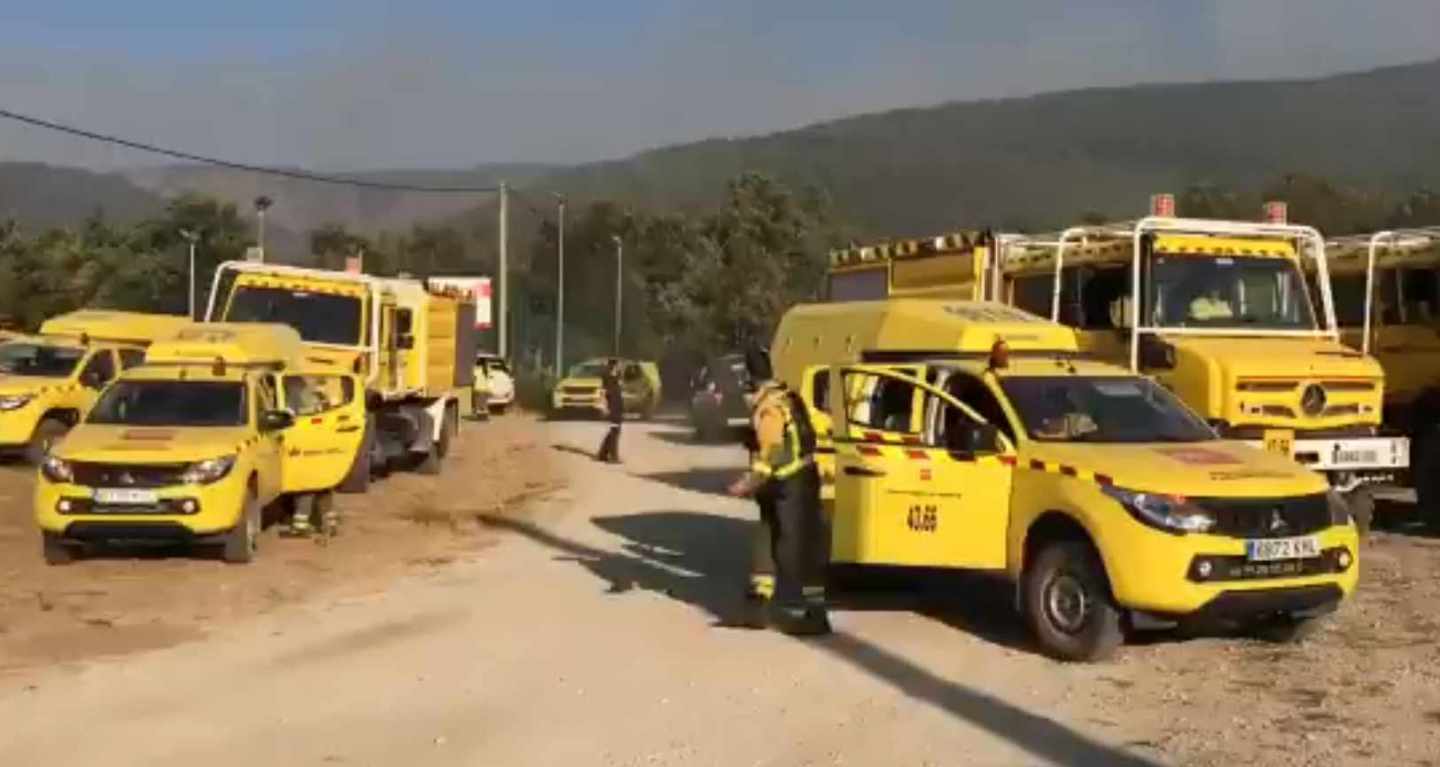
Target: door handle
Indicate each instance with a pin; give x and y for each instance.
(861, 471)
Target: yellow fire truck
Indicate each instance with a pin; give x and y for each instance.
(412, 343)
(1387, 302)
(1225, 321)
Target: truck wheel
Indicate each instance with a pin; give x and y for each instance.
(1068, 604)
(57, 551)
(1426, 473)
(243, 539)
(1361, 501)
(46, 435)
(430, 461)
(358, 480)
(448, 428)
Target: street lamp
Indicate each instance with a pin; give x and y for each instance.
(192, 237)
(619, 270)
(560, 286)
(262, 204)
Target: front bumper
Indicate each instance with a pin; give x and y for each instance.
(1350, 454)
(1156, 572)
(572, 402)
(218, 508)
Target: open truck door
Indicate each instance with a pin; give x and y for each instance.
(329, 429)
(938, 497)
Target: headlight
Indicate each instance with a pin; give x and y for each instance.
(56, 469)
(207, 471)
(15, 401)
(1339, 509)
(1167, 512)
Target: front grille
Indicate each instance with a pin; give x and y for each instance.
(147, 475)
(586, 390)
(1268, 517)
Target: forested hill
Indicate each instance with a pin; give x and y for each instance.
(1046, 159)
(36, 196)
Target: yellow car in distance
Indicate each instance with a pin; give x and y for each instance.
(1103, 498)
(49, 381)
(220, 422)
(582, 390)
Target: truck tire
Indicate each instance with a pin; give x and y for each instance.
(243, 539)
(1426, 473)
(1361, 501)
(47, 433)
(430, 460)
(1068, 604)
(358, 480)
(449, 428)
(56, 550)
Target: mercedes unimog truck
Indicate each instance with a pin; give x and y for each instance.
(411, 342)
(1225, 321)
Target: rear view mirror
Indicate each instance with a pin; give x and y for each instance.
(973, 439)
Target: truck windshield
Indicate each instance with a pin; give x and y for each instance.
(1233, 292)
(320, 318)
(1099, 409)
(172, 403)
(22, 359)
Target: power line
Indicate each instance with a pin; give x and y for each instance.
(260, 169)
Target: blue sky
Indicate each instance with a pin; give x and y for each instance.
(364, 83)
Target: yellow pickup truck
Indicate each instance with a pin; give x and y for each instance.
(581, 390)
(973, 435)
(49, 381)
(220, 422)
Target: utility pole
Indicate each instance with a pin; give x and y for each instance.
(191, 237)
(560, 288)
(619, 274)
(502, 322)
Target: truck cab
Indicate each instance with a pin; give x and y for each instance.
(50, 380)
(1387, 303)
(220, 422)
(1096, 491)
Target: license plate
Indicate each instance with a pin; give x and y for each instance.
(1280, 441)
(1270, 550)
(1357, 457)
(119, 496)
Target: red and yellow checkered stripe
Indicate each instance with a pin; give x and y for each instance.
(874, 444)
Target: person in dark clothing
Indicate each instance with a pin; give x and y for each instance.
(615, 409)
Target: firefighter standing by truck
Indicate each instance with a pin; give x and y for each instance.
(786, 485)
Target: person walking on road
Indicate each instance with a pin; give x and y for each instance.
(785, 483)
(615, 409)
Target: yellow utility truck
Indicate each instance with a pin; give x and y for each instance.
(412, 343)
(975, 436)
(1387, 302)
(581, 390)
(1225, 321)
(49, 381)
(221, 422)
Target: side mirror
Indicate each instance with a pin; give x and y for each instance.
(276, 420)
(91, 379)
(1156, 354)
(405, 341)
(973, 439)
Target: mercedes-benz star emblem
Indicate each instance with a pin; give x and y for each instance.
(1313, 400)
(1277, 521)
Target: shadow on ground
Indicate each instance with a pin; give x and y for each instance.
(711, 480)
(727, 436)
(701, 560)
(1404, 518)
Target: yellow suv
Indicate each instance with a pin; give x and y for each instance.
(582, 390)
(49, 381)
(219, 423)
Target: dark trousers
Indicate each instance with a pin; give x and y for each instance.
(790, 544)
(610, 446)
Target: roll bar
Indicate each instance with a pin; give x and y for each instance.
(1431, 234)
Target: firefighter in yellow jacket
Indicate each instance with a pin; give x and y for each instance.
(786, 485)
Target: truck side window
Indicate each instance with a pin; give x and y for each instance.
(130, 358)
(1418, 294)
(886, 404)
(820, 389)
(1098, 290)
(1034, 293)
(100, 368)
(974, 394)
(311, 395)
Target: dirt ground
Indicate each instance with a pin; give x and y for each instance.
(119, 602)
(552, 589)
